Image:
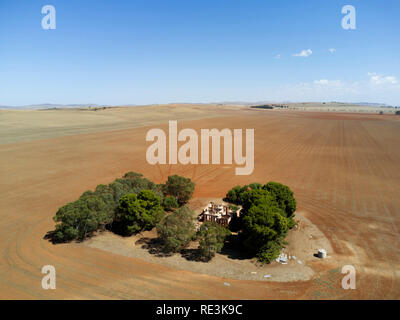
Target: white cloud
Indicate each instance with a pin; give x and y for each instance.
(378, 79)
(278, 56)
(332, 50)
(374, 88)
(324, 82)
(303, 53)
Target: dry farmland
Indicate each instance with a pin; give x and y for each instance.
(343, 168)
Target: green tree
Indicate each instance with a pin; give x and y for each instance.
(232, 195)
(255, 197)
(133, 175)
(107, 195)
(79, 219)
(269, 251)
(255, 186)
(283, 197)
(177, 230)
(139, 212)
(266, 216)
(170, 203)
(235, 195)
(180, 187)
(212, 238)
(262, 225)
(133, 183)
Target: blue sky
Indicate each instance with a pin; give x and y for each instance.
(158, 51)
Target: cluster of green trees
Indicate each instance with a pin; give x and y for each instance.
(267, 215)
(128, 205)
(263, 107)
(132, 204)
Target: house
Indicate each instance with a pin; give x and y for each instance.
(219, 213)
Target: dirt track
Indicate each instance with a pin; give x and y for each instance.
(342, 167)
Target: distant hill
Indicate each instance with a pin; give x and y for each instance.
(53, 106)
(46, 106)
(367, 104)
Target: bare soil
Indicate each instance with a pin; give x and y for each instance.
(342, 168)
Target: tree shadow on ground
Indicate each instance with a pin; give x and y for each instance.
(192, 255)
(233, 249)
(153, 246)
(50, 236)
(235, 253)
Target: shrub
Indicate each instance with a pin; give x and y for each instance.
(269, 252)
(180, 187)
(139, 212)
(176, 230)
(212, 238)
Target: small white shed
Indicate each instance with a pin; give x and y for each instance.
(322, 253)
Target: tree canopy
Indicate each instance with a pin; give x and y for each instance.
(264, 224)
(170, 203)
(235, 194)
(212, 237)
(98, 209)
(180, 187)
(177, 230)
(266, 216)
(282, 196)
(138, 212)
(78, 219)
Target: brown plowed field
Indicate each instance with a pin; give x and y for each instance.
(343, 168)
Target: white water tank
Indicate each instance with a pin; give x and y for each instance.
(322, 253)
